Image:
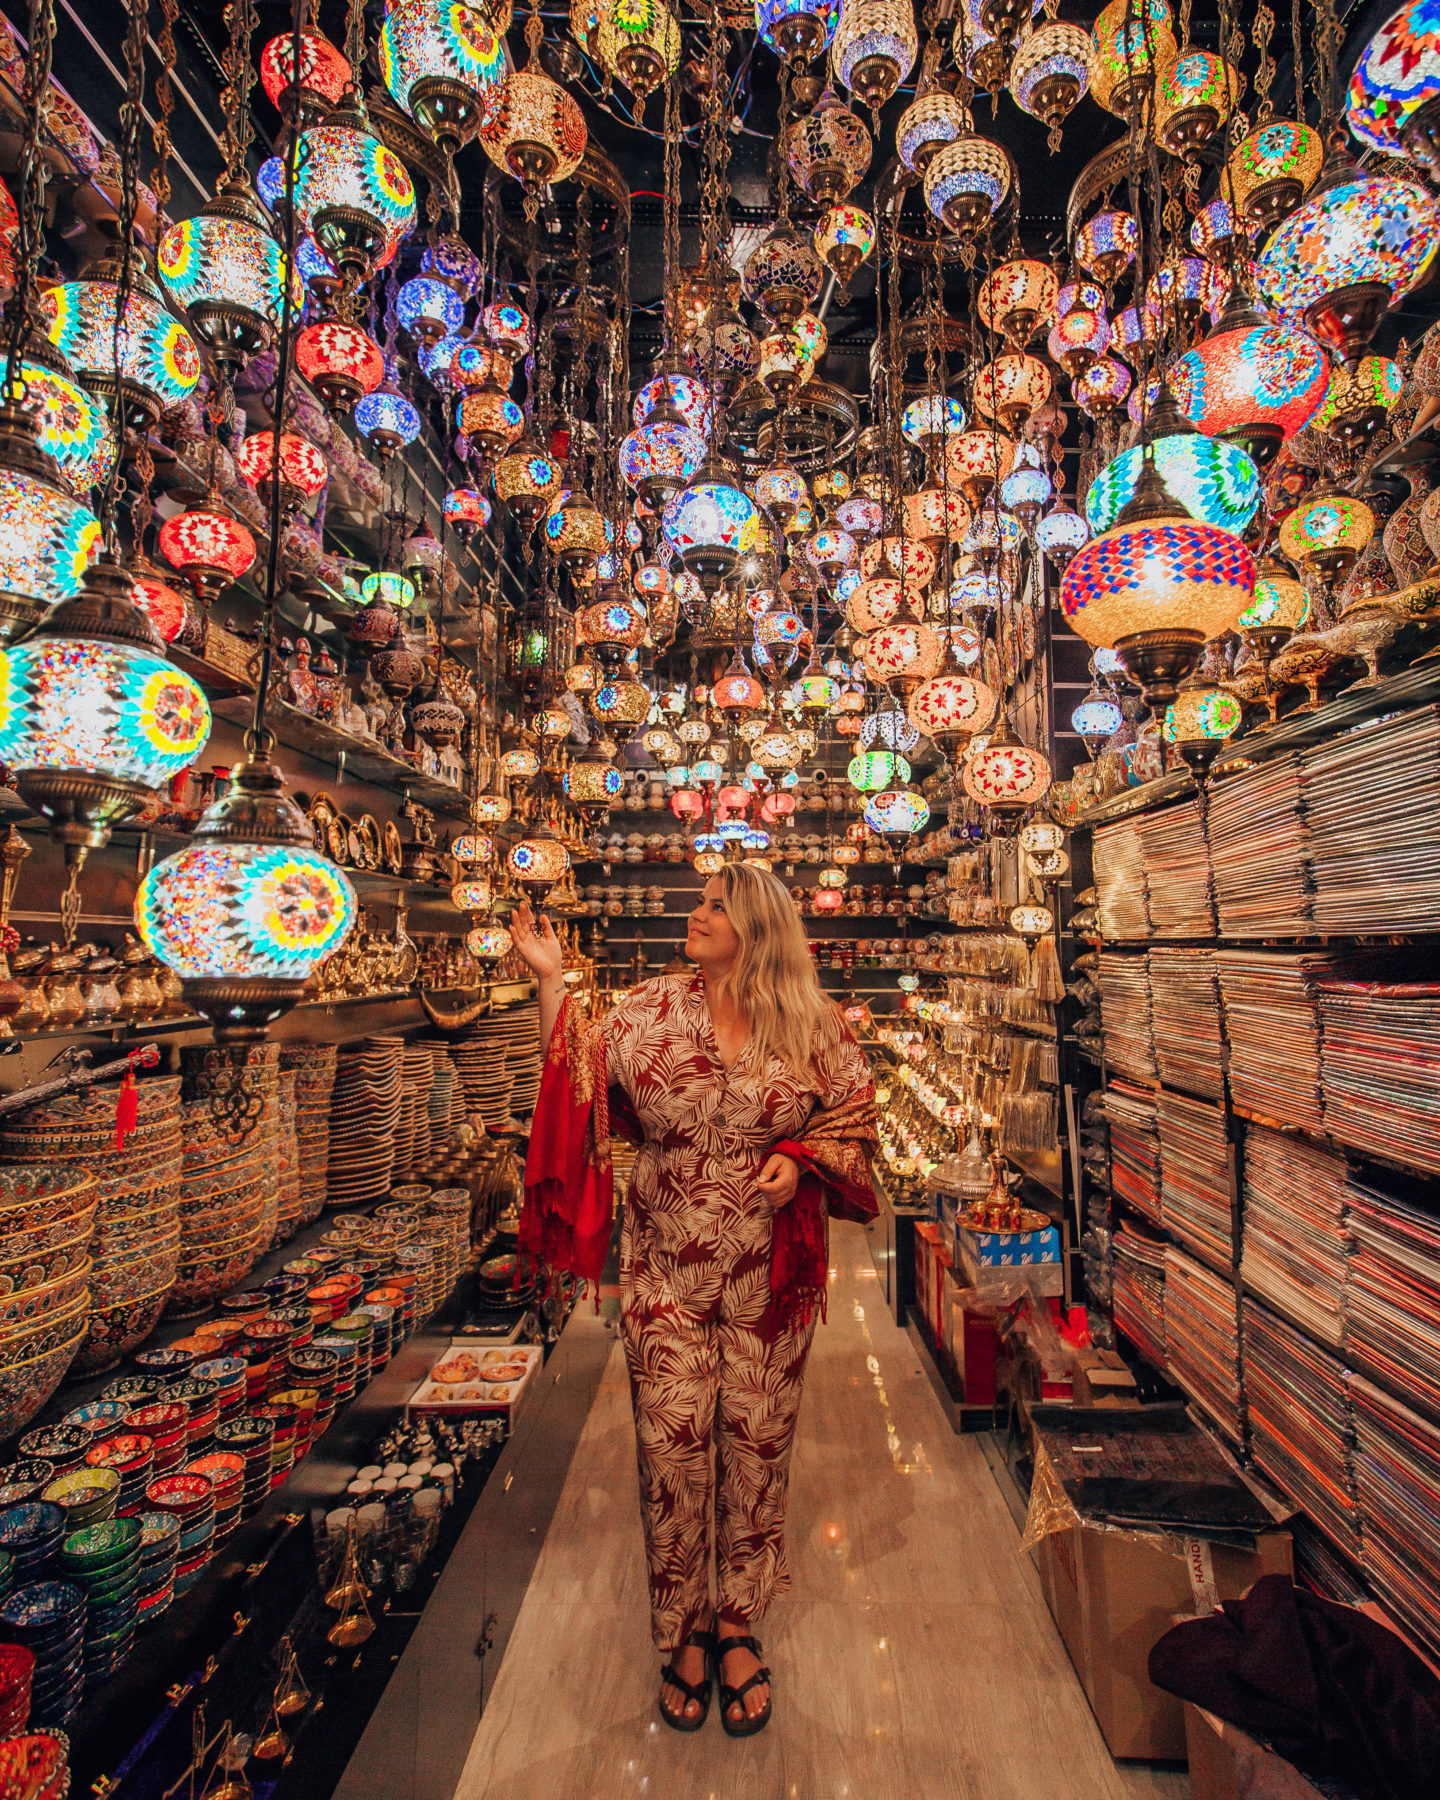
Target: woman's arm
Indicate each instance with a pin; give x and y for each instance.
(540, 949)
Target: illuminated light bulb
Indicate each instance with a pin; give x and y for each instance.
(472, 895)
(1199, 720)
(936, 514)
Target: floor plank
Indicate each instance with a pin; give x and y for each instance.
(914, 1658)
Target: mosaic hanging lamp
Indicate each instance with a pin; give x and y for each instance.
(1195, 94)
(225, 272)
(1394, 100)
(797, 30)
(340, 361)
(532, 128)
(1097, 718)
(209, 546)
(1349, 253)
(827, 150)
(709, 525)
(430, 310)
(302, 468)
(967, 182)
(1131, 41)
(1017, 299)
(875, 47)
(1272, 168)
(439, 59)
(1252, 381)
(352, 193)
(158, 364)
(527, 481)
(1007, 778)
(1199, 720)
(1279, 608)
(638, 42)
(1050, 73)
(934, 118)
(304, 91)
(47, 537)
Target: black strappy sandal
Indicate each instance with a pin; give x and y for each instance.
(698, 1691)
(736, 1696)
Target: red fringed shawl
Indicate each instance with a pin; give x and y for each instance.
(569, 1187)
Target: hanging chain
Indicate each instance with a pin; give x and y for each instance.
(164, 100)
(1297, 51)
(30, 181)
(131, 113)
(354, 42)
(239, 79)
(670, 273)
(1261, 33)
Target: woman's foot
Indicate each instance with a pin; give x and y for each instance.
(738, 1665)
(689, 1664)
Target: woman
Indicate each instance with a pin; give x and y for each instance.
(755, 1111)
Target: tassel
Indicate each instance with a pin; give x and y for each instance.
(127, 1107)
(1049, 982)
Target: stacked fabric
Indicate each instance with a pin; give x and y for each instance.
(1124, 982)
(1372, 801)
(1380, 1068)
(365, 1114)
(1139, 1291)
(1195, 1177)
(1295, 1252)
(1392, 1305)
(1299, 1421)
(1258, 851)
(1118, 860)
(1272, 1023)
(1134, 1148)
(1177, 871)
(314, 1066)
(1202, 1346)
(1185, 1010)
(1397, 1481)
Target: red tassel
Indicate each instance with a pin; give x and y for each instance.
(127, 1107)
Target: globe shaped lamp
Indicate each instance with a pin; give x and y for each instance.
(1097, 718)
(1194, 96)
(1017, 299)
(95, 721)
(638, 41)
(1347, 254)
(1130, 44)
(949, 709)
(575, 533)
(620, 707)
(304, 91)
(538, 861)
(1031, 922)
(1050, 73)
(660, 455)
(1272, 168)
(896, 815)
(827, 150)
(209, 547)
(488, 943)
(614, 627)
(473, 847)
(1060, 534)
(302, 468)
(387, 420)
(871, 771)
(533, 130)
(797, 30)
(966, 183)
(1213, 480)
(1394, 98)
(527, 481)
(1251, 381)
(1357, 404)
(1101, 390)
(1077, 338)
(844, 237)
(225, 272)
(905, 652)
(709, 525)
(340, 361)
(248, 911)
(932, 119)
(48, 537)
(158, 364)
(593, 785)
(472, 895)
(352, 193)
(1107, 244)
(874, 49)
(1007, 778)
(439, 61)
(1156, 586)
(1326, 532)
(783, 275)
(827, 899)
(1199, 720)
(1279, 608)
(431, 311)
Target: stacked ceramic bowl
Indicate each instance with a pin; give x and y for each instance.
(48, 1619)
(24, 1480)
(487, 1081)
(159, 1547)
(235, 1089)
(98, 1417)
(287, 1158)
(47, 1213)
(30, 1534)
(229, 1374)
(364, 1117)
(35, 1767)
(225, 1471)
(314, 1369)
(253, 1439)
(104, 1562)
(314, 1066)
(131, 1454)
(17, 1671)
(85, 1496)
(190, 1498)
(134, 1239)
(412, 1133)
(166, 1423)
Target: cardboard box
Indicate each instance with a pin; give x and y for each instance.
(1113, 1594)
(993, 1261)
(974, 1343)
(1227, 1764)
(933, 1263)
(1102, 1379)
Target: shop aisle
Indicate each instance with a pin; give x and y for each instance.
(914, 1657)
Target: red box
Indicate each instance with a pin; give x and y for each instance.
(976, 1343)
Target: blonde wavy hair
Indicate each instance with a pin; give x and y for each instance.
(773, 980)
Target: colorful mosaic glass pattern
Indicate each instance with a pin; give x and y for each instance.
(1006, 775)
(1103, 386)
(664, 450)
(874, 603)
(488, 942)
(1055, 49)
(779, 491)
(1195, 78)
(844, 228)
(302, 465)
(1163, 575)
(485, 414)
(1371, 229)
(204, 539)
(1376, 382)
(330, 348)
(1079, 293)
(591, 783)
(831, 552)
(431, 304)
(1107, 243)
(157, 354)
(1011, 383)
(388, 588)
(901, 652)
(976, 591)
(683, 392)
(1278, 151)
(74, 427)
(861, 516)
(269, 911)
(771, 13)
(1078, 333)
(1128, 42)
(897, 812)
(347, 169)
(936, 513)
(611, 622)
(1328, 522)
(1253, 375)
(1021, 284)
(1398, 71)
(162, 606)
(527, 108)
(100, 707)
(213, 258)
(1213, 480)
(951, 704)
(1213, 228)
(438, 39)
(1096, 718)
(322, 69)
(979, 456)
(829, 137)
(932, 416)
(785, 259)
(389, 415)
(710, 515)
(1197, 713)
(899, 556)
(1061, 531)
(451, 260)
(964, 168)
(527, 478)
(928, 122)
(630, 25)
(872, 770)
(891, 729)
(47, 540)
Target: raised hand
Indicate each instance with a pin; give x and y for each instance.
(537, 943)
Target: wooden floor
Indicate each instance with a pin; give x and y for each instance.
(914, 1658)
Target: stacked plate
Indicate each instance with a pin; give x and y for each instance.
(285, 1419)
(104, 1561)
(1124, 983)
(131, 1454)
(520, 1026)
(1120, 885)
(1185, 1012)
(386, 1322)
(1259, 851)
(191, 1499)
(225, 1471)
(30, 1535)
(314, 1066)
(412, 1134)
(1177, 871)
(480, 1058)
(85, 1496)
(159, 1545)
(314, 1368)
(48, 1619)
(223, 1200)
(17, 1671)
(166, 1423)
(252, 1438)
(364, 1117)
(1392, 1297)
(46, 1212)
